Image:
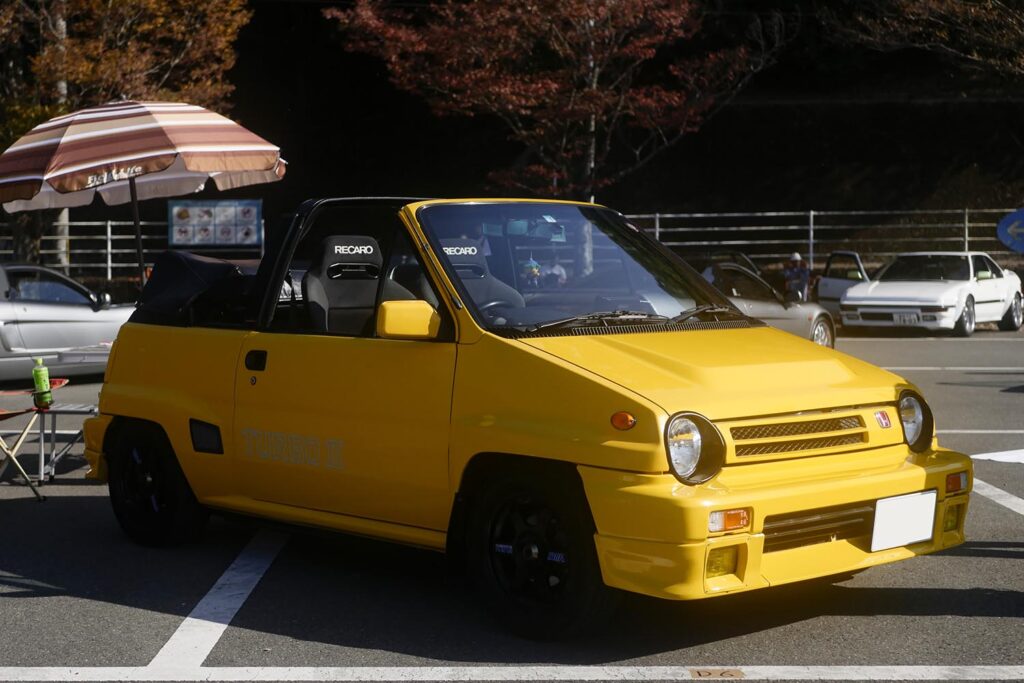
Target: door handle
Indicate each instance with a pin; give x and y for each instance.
(256, 360)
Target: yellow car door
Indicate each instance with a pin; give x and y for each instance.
(330, 415)
(346, 425)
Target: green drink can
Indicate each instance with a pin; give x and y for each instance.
(42, 396)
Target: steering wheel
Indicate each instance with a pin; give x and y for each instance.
(495, 303)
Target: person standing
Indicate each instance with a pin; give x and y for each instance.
(798, 276)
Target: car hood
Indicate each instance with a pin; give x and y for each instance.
(900, 292)
(725, 374)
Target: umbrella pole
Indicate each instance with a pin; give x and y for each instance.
(138, 231)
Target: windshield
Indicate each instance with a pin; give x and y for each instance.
(926, 267)
(529, 266)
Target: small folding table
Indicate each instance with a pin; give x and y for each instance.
(46, 470)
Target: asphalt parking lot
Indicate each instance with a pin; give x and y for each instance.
(78, 601)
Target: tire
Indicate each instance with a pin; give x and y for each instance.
(151, 498)
(531, 555)
(965, 323)
(823, 333)
(1014, 317)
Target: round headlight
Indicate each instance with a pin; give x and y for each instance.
(696, 449)
(684, 442)
(917, 421)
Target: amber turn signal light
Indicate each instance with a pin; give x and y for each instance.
(728, 520)
(623, 420)
(955, 483)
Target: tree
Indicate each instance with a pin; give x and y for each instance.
(591, 89)
(982, 33)
(61, 55)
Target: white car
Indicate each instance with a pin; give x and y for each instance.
(44, 314)
(931, 290)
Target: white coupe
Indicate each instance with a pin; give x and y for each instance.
(932, 290)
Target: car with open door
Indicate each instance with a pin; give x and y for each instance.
(755, 297)
(843, 269)
(938, 291)
(538, 389)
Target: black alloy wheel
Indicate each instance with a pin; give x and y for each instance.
(529, 550)
(532, 554)
(149, 493)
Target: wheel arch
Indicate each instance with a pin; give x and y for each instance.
(121, 425)
(478, 471)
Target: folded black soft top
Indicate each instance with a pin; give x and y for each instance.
(185, 285)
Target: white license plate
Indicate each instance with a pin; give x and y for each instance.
(906, 318)
(903, 520)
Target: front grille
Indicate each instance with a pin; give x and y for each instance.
(823, 525)
(876, 316)
(800, 445)
(768, 431)
(802, 435)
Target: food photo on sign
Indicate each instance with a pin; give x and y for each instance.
(221, 223)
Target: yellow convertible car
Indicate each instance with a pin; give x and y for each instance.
(539, 389)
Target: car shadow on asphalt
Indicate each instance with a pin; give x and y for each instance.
(361, 594)
(999, 549)
(349, 592)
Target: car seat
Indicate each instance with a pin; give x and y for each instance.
(411, 277)
(340, 287)
(468, 260)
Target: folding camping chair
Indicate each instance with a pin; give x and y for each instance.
(10, 453)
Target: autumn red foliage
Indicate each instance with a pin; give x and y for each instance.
(591, 89)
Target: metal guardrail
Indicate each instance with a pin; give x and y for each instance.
(107, 248)
(771, 236)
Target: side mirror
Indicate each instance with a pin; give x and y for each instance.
(984, 275)
(99, 301)
(407, 320)
(793, 297)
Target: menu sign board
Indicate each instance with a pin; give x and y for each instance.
(216, 223)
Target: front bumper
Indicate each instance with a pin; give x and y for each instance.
(95, 429)
(652, 533)
(889, 316)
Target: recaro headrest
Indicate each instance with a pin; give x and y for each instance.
(467, 256)
(348, 257)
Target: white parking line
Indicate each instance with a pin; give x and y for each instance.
(979, 431)
(953, 368)
(973, 340)
(199, 633)
(1002, 456)
(1007, 500)
(521, 673)
(182, 657)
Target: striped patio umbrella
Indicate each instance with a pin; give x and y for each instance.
(127, 151)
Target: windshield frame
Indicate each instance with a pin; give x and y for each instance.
(692, 278)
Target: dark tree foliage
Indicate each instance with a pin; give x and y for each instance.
(591, 89)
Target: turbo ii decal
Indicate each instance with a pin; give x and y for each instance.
(294, 449)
